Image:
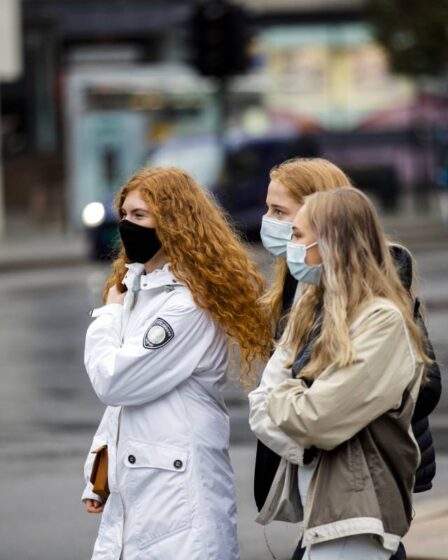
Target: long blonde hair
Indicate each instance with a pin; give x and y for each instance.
(301, 177)
(206, 255)
(356, 267)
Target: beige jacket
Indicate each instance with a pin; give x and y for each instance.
(359, 416)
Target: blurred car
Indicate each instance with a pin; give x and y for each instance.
(234, 168)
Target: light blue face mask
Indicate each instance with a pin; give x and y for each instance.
(275, 235)
(295, 256)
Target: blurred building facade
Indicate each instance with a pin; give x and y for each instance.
(315, 68)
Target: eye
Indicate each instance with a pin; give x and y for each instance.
(278, 212)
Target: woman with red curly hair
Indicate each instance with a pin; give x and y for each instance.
(181, 291)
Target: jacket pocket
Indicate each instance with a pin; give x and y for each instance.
(154, 456)
(158, 490)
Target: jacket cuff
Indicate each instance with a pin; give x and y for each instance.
(113, 309)
(89, 495)
(296, 455)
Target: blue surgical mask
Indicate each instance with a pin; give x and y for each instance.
(295, 256)
(275, 235)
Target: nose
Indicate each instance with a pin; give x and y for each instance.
(130, 219)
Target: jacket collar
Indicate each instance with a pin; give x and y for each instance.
(136, 280)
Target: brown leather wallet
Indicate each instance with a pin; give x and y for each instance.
(98, 476)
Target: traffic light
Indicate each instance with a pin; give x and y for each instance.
(220, 38)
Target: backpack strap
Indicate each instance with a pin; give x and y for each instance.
(403, 263)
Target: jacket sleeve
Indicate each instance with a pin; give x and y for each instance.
(133, 373)
(430, 391)
(260, 422)
(99, 439)
(344, 400)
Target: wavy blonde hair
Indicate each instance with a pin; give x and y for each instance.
(356, 267)
(206, 255)
(301, 177)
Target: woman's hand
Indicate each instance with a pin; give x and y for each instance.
(114, 296)
(92, 506)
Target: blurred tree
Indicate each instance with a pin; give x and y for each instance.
(414, 34)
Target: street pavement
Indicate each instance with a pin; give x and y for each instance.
(48, 413)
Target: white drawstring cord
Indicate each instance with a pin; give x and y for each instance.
(274, 557)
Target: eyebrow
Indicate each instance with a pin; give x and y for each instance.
(279, 207)
(134, 210)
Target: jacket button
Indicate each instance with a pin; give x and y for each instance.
(178, 464)
(131, 459)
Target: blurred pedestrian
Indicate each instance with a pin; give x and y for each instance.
(358, 358)
(290, 183)
(182, 288)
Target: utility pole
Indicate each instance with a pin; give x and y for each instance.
(220, 35)
(10, 69)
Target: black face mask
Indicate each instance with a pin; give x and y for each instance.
(140, 243)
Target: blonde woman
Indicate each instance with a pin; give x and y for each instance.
(353, 359)
(181, 290)
(290, 183)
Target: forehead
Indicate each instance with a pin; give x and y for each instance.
(277, 192)
(134, 200)
(301, 219)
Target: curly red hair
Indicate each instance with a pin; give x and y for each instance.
(205, 254)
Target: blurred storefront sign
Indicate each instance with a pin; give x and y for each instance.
(334, 79)
(335, 75)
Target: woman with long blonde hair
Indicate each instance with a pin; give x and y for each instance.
(290, 182)
(181, 291)
(354, 360)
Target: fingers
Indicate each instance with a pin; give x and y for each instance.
(111, 294)
(91, 509)
(94, 506)
(114, 295)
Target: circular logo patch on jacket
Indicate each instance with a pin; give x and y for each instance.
(158, 334)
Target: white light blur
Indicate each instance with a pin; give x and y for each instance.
(93, 214)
